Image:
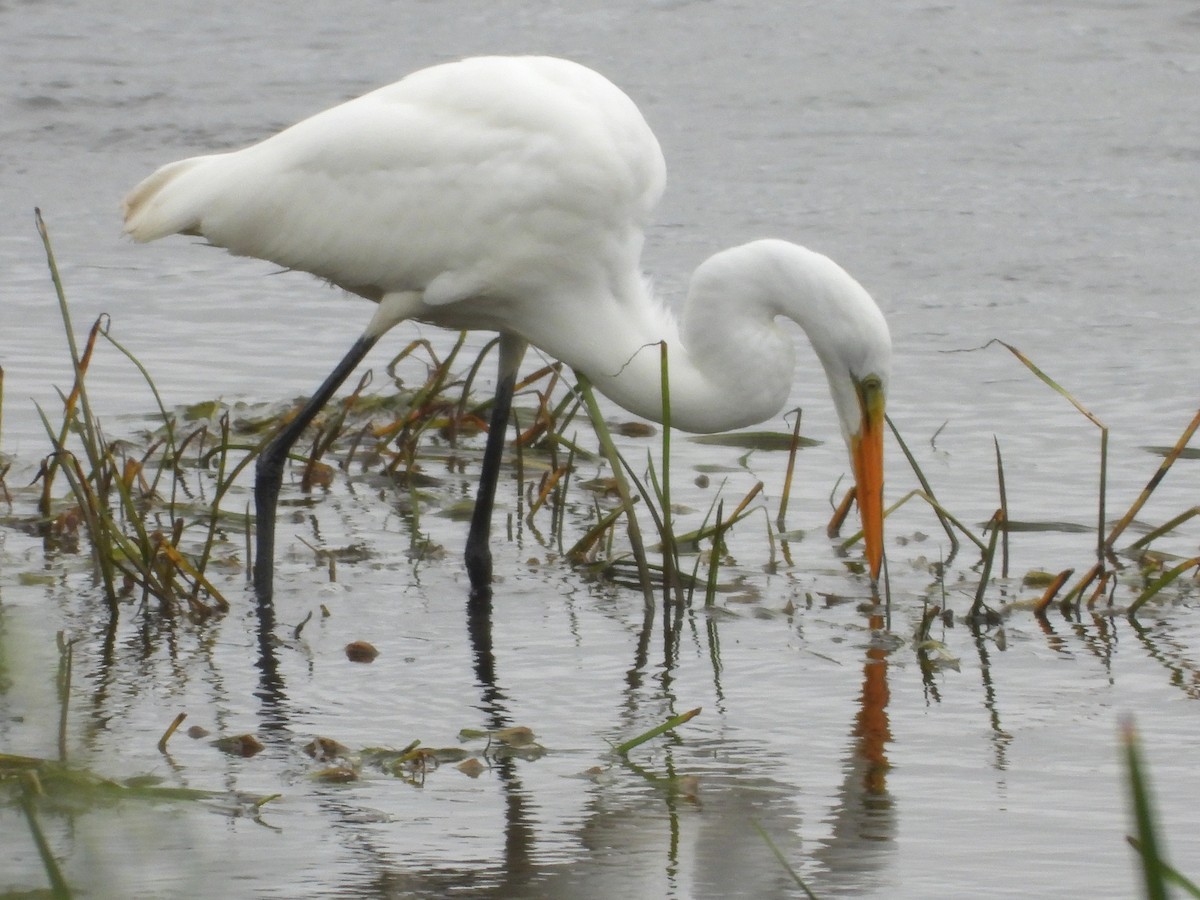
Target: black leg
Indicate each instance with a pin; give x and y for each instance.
(268, 477)
(478, 553)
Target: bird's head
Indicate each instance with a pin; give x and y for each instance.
(851, 338)
(773, 278)
(866, 454)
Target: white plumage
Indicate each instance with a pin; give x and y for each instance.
(512, 194)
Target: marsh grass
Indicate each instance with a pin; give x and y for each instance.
(654, 490)
(155, 518)
(1102, 576)
(1150, 573)
(158, 517)
(135, 534)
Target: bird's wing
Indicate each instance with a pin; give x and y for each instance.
(475, 173)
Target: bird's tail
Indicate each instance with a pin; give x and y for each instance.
(168, 202)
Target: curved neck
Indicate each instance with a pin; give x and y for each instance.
(729, 362)
(707, 394)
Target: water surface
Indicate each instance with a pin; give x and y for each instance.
(1018, 171)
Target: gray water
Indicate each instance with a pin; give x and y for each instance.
(1021, 171)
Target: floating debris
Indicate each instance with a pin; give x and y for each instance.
(361, 652)
(472, 767)
(337, 775)
(326, 749)
(246, 745)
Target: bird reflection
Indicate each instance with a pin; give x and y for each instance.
(519, 834)
(864, 818)
(271, 686)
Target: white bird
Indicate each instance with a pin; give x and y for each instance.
(511, 194)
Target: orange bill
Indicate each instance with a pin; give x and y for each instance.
(867, 452)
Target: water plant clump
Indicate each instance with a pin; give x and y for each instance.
(164, 511)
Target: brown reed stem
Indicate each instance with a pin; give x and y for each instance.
(840, 512)
(171, 729)
(1052, 590)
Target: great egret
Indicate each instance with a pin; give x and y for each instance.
(511, 194)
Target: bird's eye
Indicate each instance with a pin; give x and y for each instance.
(870, 384)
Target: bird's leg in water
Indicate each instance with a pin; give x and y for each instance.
(478, 553)
(268, 476)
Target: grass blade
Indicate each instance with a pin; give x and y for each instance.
(617, 465)
(786, 493)
(977, 606)
(1003, 513)
(671, 723)
(1059, 389)
(1161, 582)
(1139, 793)
(943, 517)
